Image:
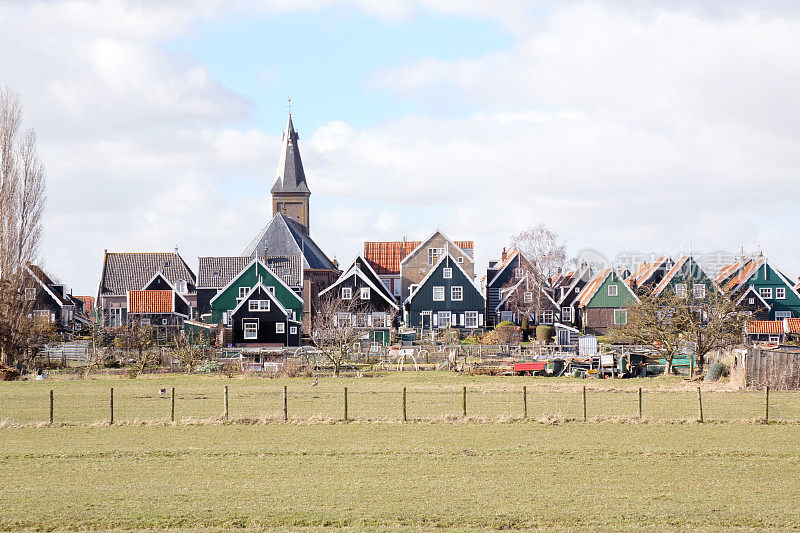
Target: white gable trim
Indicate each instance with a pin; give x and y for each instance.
(755, 293)
(353, 271)
(432, 270)
(509, 260)
(426, 241)
(245, 269)
(252, 291)
(49, 291)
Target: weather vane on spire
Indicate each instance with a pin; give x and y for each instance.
(289, 105)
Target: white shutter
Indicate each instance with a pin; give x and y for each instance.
(435, 319)
(480, 319)
(461, 321)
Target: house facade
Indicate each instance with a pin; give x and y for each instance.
(260, 320)
(445, 297)
(604, 302)
(52, 301)
(160, 305)
(757, 276)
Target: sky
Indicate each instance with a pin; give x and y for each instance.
(648, 126)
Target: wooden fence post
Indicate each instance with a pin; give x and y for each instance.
(285, 404)
(111, 406)
(172, 408)
(464, 402)
(51, 407)
(225, 402)
(584, 403)
(345, 404)
(640, 403)
(700, 404)
(766, 404)
(524, 401)
(405, 418)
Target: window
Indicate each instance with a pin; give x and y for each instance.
(164, 321)
(765, 292)
(30, 294)
(362, 320)
(620, 317)
(347, 293)
(250, 330)
(517, 272)
(181, 286)
(379, 320)
(258, 305)
(293, 330)
(434, 254)
(286, 274)
(506, 316)
(577, 290)
(343, 319)
(546, 317)
(41, 314)
(699, 291)
(438, 294)
(680, 290)
(780, 315)
(566, 314)
(365, 293)
(280, 327)
(243, 292)
(166, 264)
(215, 273)
(774, 339)
(271, 290)
(457, 294)
(613, 290)
(115, 317)
(447, 273)
(780, 293)
(471, 319)
(460, 260)
(143, 322)
(527, 297)
(751, 301)
(387, 283)
(444, 319)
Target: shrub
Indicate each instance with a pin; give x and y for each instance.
(544, 333)
(507, 332)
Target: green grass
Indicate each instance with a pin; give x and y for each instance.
(430, 396)
(402, 476)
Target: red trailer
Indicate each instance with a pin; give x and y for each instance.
(530, 368)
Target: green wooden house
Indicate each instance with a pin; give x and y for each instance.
(604, 302)
(226, 300)
(687, 279)
(773, 288)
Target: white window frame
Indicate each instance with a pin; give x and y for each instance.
(248, 331)
(164, 321)
(765, 292)
(438, 290)
(566, 314)
(457, 293)
(39, 313)
(780, 315)
(443, 317)
(506, 316)
(780, 293)
(379, 320)
(699, 291)
(280, 327)
(30, 294)
(181, 286)
(343, 319)
(271, 290)
(751, 301)
(471, 319)
(546, 317)
(243, 292)
(459, 260)
(258, 306)
(774, 339)
(347, 293)
(614, 292)
(292, 330)
(518, 272)
(447, 273)
(625, 320)
(364, 293)
(434, 254)
(115, 317)
(527, 297)
(680, 290)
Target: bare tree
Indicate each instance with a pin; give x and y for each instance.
(137, 342)
(22, 200)
(191, 350)
(543, 248)
(335, 330)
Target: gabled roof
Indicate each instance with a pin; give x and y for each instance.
(646, 271)
(254, 261)
(361, 264)
(591, 289)
(253, 290)
(424, 280)
(755, 294)
(123, 272)
(290, 176)
(575, 278)
(151, 302)
(744, 274)
(449, 241)
(765, 327)
(505, 264)
(216, 272)
(284, 237)
(672, 272)
(44, 280)
(355, 271)
(727, 271)
(386, 256)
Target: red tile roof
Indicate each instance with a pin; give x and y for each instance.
(764, 327)
(743, 275)
(385, 256)
(794, 325)
(88, 303)
(150, 301)
(592, 287)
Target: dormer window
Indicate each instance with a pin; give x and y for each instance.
(286, 272)
(215, 273)
(527, 297)
(166, 263)
(181, 286)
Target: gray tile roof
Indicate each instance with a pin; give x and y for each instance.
(123, 272)
(290, 178)
(284, 237)
(217, 272)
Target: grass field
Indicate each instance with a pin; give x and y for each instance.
(430, 396)
(414, 476)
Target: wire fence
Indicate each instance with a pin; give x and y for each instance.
(132, 401)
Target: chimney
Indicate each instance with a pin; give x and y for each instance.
(503, 255)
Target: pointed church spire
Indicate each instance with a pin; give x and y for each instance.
(290, 177)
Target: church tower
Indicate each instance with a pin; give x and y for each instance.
(290, 194)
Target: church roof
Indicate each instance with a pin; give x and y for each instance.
(283, 236)
(290, 176)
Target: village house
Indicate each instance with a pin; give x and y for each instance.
(123, 273)
(755, 282)
(260, 320)
(445, 297)
(686, 279)
(567, 289)
(52, 301)
(604, 302)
